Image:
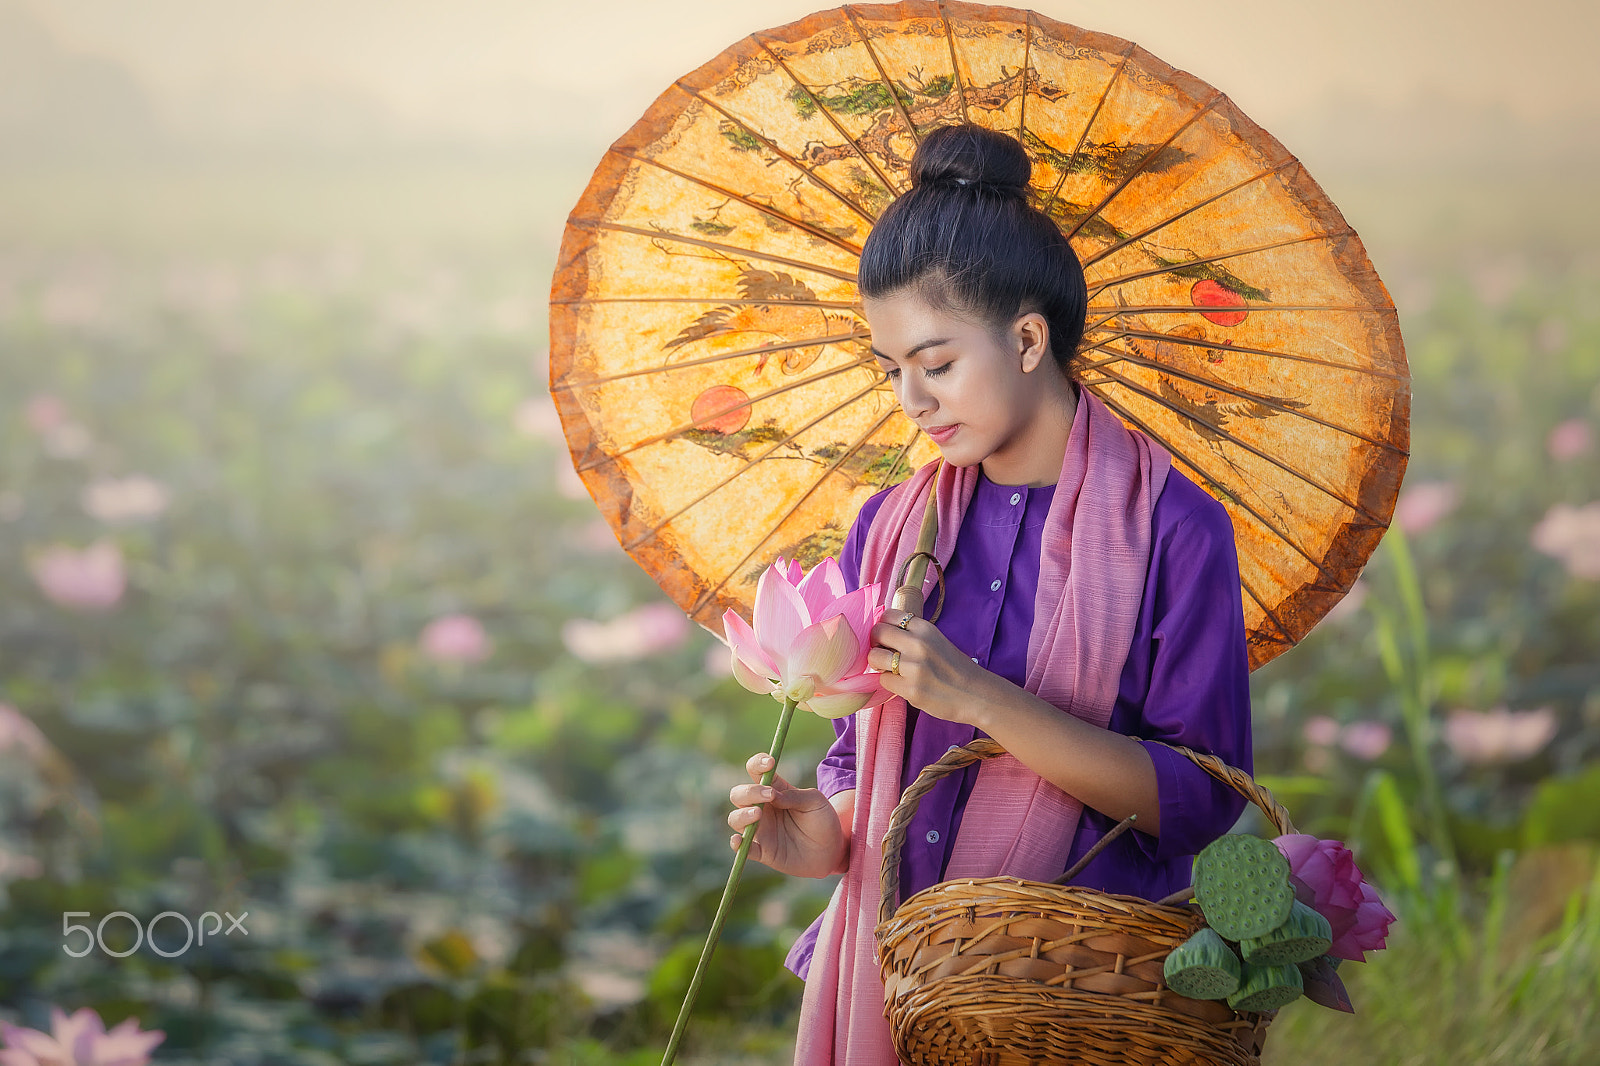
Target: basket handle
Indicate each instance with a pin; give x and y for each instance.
(983, 748)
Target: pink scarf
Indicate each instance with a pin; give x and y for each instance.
(1094, 556)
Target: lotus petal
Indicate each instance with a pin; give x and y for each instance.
(837, 706)
(822, 587)
(861, 684)
(746, 645)
(751, 679)
(826, 650)
(780, 614)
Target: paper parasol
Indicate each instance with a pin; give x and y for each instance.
(711, 365)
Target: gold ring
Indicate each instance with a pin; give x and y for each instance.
(894, 663)
(904, 622)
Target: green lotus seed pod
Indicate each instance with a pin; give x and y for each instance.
(1304, 936)
(1202, 967)
(1267, 987)
(1242, 885)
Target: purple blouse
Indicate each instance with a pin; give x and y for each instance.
(1186, 681)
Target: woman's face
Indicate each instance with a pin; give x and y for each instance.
(971, 391)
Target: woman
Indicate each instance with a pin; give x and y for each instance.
(1093, 602)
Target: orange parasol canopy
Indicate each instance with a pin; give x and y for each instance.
(711, 365)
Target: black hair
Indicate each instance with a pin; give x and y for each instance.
(968, 239)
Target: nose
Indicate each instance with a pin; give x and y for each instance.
(915, 399)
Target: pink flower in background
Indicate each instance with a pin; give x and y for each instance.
(1499, 735)
(129, 499)
(18, 731)
(455, 638)
(14, 867)
(810, 640)
(1569, 439)
(1365, 740)
(63, 438)
(1326, 879)
(79, 1039)
(1320, 730)
(1571, 534)
(45, 413)
(91, 580)
(1423, 503)
(647, 630)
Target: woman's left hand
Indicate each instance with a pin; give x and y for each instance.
(933, 675)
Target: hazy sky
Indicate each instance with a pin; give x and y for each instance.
(508, 68)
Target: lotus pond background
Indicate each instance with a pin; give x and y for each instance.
(303, 613)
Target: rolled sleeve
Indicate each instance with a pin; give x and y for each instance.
(837, 771)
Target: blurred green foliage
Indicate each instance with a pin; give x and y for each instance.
(440, 861)
(516, 859)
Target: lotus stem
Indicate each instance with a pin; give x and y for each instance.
(732, 887)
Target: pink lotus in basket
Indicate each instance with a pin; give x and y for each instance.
(1325, 878)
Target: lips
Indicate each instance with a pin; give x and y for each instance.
(940, 434)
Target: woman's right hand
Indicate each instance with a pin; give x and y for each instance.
(799, 831)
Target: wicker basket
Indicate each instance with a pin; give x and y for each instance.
(999, 971)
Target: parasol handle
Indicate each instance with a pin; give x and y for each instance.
(908, 594)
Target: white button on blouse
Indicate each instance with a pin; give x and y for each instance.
(933, 836)
(994, 586)
(1015, 497)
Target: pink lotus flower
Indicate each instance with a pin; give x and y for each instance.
(129, 499)
(45, 413)
(810, 640)
(79, 1039)
(1571, 534)
(1325, 878)
(1422, 504)
(455, 638)
(18, 731)
(1569, 439)
(1365, 740)
(1320, 730)
(1498, 735)
(643, 631)
(62, 437)
(91, 580)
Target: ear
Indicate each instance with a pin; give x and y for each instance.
(1031, 335)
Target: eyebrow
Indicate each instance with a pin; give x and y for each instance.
(916, 348)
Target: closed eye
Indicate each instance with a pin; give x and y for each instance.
(932, 371)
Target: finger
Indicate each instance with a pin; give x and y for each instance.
(740, 817)
(881, 659)
(750, 795)
(887, 635)
(737, 840)
(759, 765)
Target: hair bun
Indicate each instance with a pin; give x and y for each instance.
(969, 155)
